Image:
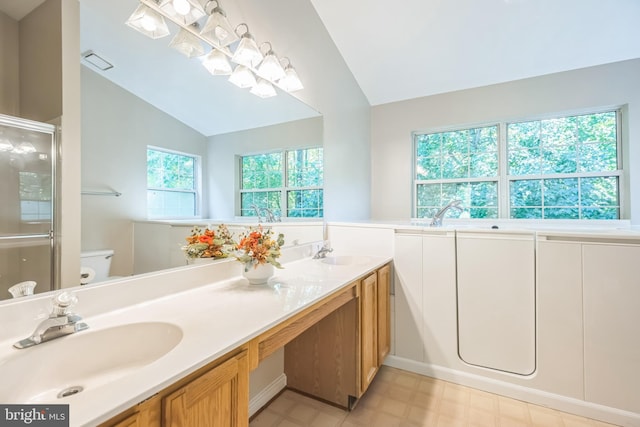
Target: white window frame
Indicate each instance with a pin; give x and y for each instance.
(504, 180)
(197, 180)
(284, 189)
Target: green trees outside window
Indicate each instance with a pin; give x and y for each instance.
(289, 183)
(172, 185)
(558, 168)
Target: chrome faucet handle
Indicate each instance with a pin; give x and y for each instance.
(62, 303)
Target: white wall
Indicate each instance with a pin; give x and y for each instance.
(116, 129)
(9, 71)
(223, 149)
(614, 84)
(329, 88)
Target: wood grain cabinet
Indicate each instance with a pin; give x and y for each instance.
(337, 358)
(217, 396)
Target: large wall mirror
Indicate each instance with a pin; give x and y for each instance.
(156, 96)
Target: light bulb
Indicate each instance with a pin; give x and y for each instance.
(182, 6)
(221, 33)
(148, 23)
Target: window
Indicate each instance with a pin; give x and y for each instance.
(35, 196)
(460, 164)
(290, 179)
(560, 168)
(172, 184)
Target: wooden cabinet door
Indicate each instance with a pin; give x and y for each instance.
(368, 330)
(219, 398)
(384, 314)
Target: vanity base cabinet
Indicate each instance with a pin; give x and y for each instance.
(336, 359)
(215, 396)
(384, 313)
(218, 398)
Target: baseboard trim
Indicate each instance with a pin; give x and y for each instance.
(267, 393)
(535, 396)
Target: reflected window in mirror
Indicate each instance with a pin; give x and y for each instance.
(35, 196)
(173, 189)
(289, 183)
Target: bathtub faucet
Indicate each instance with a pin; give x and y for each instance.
(436, 221)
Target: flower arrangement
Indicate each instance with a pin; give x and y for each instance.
(208, 243)
(258, 246)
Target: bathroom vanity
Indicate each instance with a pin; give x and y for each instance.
(333, 349)
(176, 347)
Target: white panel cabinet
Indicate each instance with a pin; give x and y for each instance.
(439, 299)
(496, 300)
(408, 308)
(611, 321)
(559, 311)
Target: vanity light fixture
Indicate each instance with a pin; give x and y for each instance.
(24, 148)
(290, 82)
(5, 144)
(242, 77)
(187, 44)
(247, 52)
(263, 89)
(218, 30)
(217, 63)
(270, 67)
(149, 19)
(148, 22)
(186, 12)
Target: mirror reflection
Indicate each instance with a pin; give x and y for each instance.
(154, 97)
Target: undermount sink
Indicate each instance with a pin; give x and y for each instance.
(63, 367)
(346, 260)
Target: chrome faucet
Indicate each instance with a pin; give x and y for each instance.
(256, 209)
(270, 215)
(60, 322)
(323, 251)
(436, 221)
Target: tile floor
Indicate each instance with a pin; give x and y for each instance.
(404, 399)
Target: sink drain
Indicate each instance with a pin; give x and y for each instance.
(70, 391)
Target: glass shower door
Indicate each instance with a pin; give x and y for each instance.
(27, 186)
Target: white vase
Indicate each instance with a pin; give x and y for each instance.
(258, 274)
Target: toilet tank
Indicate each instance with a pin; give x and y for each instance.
(98, 261)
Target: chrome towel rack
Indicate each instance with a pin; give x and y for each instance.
(101, 193)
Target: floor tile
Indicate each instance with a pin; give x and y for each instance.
(403, 399)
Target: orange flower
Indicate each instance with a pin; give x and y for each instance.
(206, 239)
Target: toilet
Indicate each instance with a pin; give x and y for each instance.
(95, 266)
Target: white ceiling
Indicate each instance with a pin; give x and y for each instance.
(395, 50)
(18, 9)
(413, 48)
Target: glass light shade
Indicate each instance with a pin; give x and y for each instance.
(247, 52)
(217, 63)
(290, 82)
(217, 30)
(270, 68)
(186, 12)
(263, 89)
(5, 144)
(24, 148)
(187, 44)
(242, 77)
(148, 22)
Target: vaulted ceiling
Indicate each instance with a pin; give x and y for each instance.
(413, 48)
(395, 50)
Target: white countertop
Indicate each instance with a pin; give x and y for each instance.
(215, 318)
